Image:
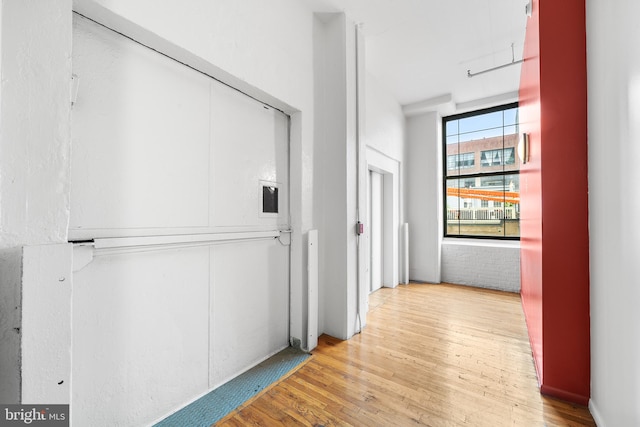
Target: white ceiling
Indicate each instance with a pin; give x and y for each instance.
(420, 50)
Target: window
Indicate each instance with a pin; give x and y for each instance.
(500, 157)
(460, 161)
(482, 198)
(269, 199)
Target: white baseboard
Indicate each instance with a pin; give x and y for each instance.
(596, 414)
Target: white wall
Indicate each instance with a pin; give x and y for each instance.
(385, 139)
(613, 70)
(46, 324)
(335, 135)
(424, 189)
(35, 60)
(432, 258)
(36, 65)
(481, 263)
(193, 317)
(384, 121)
(330, 128)
(383, 147)
(265, 49)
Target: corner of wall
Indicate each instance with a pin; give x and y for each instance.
(35, 60)
(595, 413)
(10, 324)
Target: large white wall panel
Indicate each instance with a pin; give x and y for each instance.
(158, 145)
(140, 136)
(249, 301)
(168, 153)
(264, 48)
(613, 70)
(140, 335)
(424, 185)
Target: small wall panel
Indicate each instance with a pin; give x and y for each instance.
(250, 305)
(312, 289)
(46, 324)
(140, 335)
(249, 150)
(140, 136)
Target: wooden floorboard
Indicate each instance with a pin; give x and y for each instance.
(435, 355)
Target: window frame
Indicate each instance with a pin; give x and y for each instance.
(462, 176)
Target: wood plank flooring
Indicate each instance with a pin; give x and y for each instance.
(435, 355)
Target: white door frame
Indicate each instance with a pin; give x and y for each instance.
(390, 170)
(375, 217)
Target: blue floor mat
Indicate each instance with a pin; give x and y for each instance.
(215, 405)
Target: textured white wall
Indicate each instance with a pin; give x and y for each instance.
(34, 137)
(46, 324)
(484, 264)
(35, 57)
(614, 131)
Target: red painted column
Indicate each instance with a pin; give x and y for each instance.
(531, 191)
(554, 198)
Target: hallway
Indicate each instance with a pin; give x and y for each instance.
(430, 355)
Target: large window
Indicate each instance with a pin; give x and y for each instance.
(482, 174)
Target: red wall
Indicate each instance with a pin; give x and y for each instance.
(531, 192)
(554, 198)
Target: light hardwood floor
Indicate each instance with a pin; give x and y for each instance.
(435, 355)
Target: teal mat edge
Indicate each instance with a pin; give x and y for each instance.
(218, 403)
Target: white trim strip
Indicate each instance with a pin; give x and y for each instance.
(130, 242)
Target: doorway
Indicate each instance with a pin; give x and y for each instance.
(380, 257)
(376, 230)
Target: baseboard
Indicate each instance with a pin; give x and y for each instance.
(564, 395)
(595, 413)
(199, 396)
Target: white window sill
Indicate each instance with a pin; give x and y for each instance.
(487, 243)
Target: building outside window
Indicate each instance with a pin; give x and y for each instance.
(461, 161)
(499, 157)
(482, 174)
